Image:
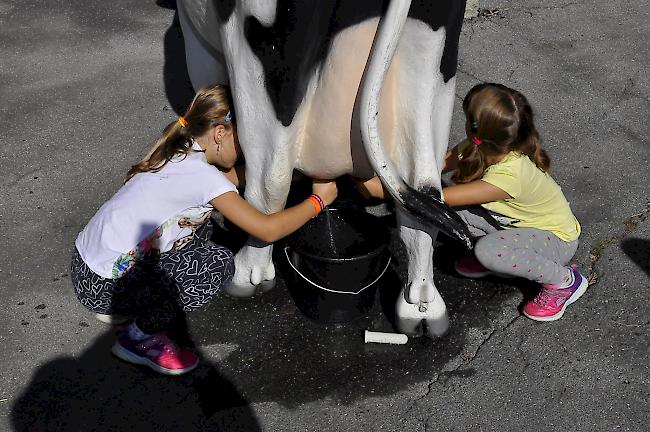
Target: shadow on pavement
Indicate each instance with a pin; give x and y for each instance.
(639, 251)
(98, 392)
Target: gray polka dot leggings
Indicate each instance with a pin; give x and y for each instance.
(529, 253)
(160, 287)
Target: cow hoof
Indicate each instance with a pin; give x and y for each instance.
(254, 272)
(411, 317)
(241, 290)
(265, 286)
(245, 289)
(437, 326)
(408, 317)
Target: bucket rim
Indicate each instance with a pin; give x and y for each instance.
(373, 253)
(376, 251)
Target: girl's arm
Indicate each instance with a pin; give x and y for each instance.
(371, 188)
(270, 228)
(476, 192)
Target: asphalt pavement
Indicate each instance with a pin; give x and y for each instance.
(87, 86)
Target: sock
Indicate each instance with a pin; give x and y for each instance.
(135, 333)
(568, 279)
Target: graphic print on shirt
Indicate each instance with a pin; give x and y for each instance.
(193, 223)
(186, 225)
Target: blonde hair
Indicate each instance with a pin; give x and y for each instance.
(500, 119)
(210, 107)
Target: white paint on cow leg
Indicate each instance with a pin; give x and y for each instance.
(268, 179)
(425, 106)
(419, 300)
(267, 146)
(421, 144)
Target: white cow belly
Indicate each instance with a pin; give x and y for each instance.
(330, 143)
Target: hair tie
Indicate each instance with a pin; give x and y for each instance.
(476, 140)
(474, 126)
(228, 117)
(182, 121)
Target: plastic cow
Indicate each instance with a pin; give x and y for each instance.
(332, 88)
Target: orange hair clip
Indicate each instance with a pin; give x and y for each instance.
(182, 121)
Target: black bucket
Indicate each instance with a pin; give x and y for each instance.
(337, 259)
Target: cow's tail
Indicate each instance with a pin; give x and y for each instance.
(426, 205)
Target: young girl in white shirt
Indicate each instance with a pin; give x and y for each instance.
(146, 253)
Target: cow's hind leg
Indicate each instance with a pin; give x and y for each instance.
(419, 301)
(426, 114)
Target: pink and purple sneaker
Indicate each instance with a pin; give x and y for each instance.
(551, 302)
(157, 351)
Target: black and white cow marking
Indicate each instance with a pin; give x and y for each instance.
(333, 88)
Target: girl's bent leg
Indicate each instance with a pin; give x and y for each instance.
(93, 291)
(530, 253)
(198, 272)
(192, 276)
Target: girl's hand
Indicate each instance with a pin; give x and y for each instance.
(326, 189)
(371, 188)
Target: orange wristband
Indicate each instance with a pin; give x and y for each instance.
(316, 205)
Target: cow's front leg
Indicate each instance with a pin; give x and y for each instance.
(267, 186)
(419, 301)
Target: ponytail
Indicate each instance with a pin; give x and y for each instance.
(210, 108)
(471, 165)
(175, 140)
(528, 139)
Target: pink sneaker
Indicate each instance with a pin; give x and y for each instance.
(551, 302)
(157, 352)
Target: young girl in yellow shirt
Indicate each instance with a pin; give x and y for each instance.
(507, 198)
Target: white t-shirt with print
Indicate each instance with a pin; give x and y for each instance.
(153, 210)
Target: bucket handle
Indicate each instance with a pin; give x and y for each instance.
(286, 253)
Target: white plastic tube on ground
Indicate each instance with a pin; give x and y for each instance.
(387, 338)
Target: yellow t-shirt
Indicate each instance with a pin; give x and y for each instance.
(537, 201)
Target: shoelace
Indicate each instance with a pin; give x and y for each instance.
(544, 295)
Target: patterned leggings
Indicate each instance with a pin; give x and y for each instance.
(160, 287)
(529, 253)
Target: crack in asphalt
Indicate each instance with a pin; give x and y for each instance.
(630, 225)
(445, 375)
